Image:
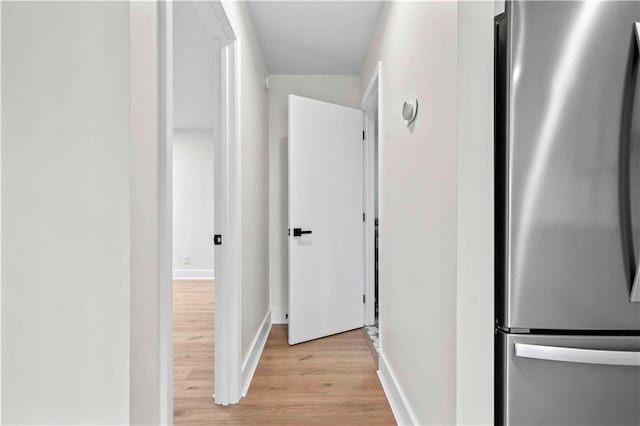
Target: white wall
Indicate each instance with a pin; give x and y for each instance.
(65, 217)
(436, 271)
(193, 203)
(475, 294)
(194, 70)
(342, 90)
(417, 43)
(255, 178)
(150, 354)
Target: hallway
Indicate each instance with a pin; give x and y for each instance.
(330, 381)
(330, 164)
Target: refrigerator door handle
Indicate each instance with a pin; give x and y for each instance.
(580, 356)
(634, 296)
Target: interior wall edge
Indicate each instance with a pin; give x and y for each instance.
(474, 290)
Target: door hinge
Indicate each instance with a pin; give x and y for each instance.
(364, 217)
(363, 135)
(364, 299)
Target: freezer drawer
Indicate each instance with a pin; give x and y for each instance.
(567, 380)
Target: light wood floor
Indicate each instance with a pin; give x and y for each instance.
(192, 348)
(330, 381)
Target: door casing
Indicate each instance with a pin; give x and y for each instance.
(371, 106)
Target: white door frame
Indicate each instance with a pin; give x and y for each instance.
(227, 310)
(371, 106)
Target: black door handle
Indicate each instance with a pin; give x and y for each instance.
(298, 232)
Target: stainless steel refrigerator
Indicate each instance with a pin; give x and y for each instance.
(567, 158)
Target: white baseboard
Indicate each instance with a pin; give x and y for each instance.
(251, 360)
(279, 315)
(192, 274)
(399, 405)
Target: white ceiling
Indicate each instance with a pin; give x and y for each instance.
(314, 37)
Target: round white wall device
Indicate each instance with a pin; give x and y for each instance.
(410, 111)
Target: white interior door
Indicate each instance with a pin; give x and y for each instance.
(326, 270)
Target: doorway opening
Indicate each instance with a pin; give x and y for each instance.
(199, 129)
(371, 107)
(334, 219)
(196, 116)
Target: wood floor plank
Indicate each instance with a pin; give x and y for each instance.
(330, 381)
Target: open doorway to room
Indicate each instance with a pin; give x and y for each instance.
(199, 66)
(195, 110)
(332, 287)
(194, 130)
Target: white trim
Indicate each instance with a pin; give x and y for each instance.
(402, 412)
(165, 221)
(279, 315)
(381, 242)
(371, 101)
(0, 218)
(193, 274)
(233, 314)
(255, 351)
(372, 88)
(228, 300)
